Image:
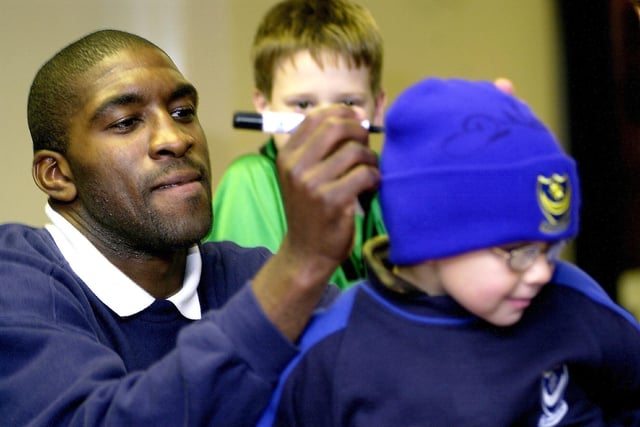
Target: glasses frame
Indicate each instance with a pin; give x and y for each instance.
(521, 258)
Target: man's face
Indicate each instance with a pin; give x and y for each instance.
(139, 156)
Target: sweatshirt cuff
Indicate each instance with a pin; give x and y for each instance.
(254, 336)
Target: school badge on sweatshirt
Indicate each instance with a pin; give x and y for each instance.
(552, 387)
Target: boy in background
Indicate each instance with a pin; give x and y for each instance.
(468, 317)
(306, 54)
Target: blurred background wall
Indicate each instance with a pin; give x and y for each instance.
(210, 42)
(574, 63)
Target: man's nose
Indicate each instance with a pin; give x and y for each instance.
(168, 138)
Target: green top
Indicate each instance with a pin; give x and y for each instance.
(248, 209)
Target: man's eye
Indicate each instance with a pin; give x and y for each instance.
(125, 124)
(184, 113)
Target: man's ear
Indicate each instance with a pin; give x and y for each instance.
(52, 174)
(260, 101)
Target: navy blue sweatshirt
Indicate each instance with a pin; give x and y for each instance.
(381, 358)
(67, 359)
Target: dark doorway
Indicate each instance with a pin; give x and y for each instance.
(602, 51)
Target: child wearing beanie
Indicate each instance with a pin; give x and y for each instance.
(468, 317)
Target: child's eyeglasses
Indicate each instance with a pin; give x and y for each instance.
(521, 258)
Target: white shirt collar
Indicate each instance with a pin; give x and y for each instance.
(114, 288)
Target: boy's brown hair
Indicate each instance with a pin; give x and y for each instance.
(338, 27)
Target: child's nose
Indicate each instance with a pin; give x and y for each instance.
(540, 271)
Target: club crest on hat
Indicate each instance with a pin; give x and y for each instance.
(554, 199)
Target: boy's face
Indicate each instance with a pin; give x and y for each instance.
(300, 84)
(482, 282)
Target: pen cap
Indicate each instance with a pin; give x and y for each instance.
(247, 121)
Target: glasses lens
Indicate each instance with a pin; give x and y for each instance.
(553, 253)
(522, 258)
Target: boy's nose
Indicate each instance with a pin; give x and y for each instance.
(540, 271)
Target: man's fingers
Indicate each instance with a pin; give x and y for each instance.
(352, 164)
(326, 127)
(504, 85)
(344, 190)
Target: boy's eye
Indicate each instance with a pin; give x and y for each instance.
(353, 102)
(303, 105)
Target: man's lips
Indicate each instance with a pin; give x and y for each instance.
(177, 179)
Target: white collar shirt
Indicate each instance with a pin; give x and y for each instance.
(114, 288)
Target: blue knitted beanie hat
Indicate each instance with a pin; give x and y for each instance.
(464, 167)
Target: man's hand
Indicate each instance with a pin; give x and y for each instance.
(323, 167)
(504, 85)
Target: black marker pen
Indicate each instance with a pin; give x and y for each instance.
(279, 122)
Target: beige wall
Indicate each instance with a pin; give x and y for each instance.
(210, 39)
